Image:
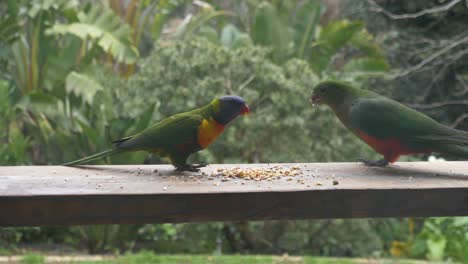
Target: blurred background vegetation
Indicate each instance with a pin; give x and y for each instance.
(76, 74)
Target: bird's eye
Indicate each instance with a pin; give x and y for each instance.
(322, 90)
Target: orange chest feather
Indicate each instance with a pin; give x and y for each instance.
(390, 148)
(208, 131)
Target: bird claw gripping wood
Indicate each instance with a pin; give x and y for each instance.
(192, 168)
(374, 163)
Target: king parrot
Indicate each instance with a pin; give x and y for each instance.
(389, 127)
(180, 135)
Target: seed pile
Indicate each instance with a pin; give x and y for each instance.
(257, 174)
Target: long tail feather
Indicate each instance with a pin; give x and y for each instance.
(95, 156)
(121, 140)
(453, 142)
(452, 149)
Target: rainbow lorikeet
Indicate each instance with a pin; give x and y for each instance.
(180, 135)
(389, 127)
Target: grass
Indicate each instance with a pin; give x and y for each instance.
(146, 257)
(33, 258)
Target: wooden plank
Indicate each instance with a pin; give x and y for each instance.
(56, 195)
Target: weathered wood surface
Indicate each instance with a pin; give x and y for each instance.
(56, 195)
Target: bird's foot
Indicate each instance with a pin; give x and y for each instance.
(374, 163)
(190, 167)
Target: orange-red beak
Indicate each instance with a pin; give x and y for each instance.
(245, 110)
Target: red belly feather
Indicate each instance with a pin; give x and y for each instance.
(390, 148)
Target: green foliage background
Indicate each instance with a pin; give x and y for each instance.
(75, 75)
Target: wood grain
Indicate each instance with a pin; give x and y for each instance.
(57, 195)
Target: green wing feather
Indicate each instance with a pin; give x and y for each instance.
(165, 135)
(383, 118)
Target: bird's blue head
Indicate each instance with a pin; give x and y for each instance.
(229, 107)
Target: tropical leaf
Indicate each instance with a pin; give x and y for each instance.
(143, 120)
(30, 53)
(460, 221)
(305, 23)
(436, 248)
(47, 5)
(104, 27)
(164, 8)
(25, 64)
(367, 64)
(330, 40)
(267, 29)
(82, 85)
(193, 22)
(364, 41)
(60, 63)
(9, 25)
(39, 104)
(92, 134)
(16, 151)
(209, 33)
(5, 106)
(39, 99)
(232, 37)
